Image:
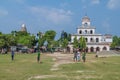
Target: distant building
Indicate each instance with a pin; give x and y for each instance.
(23, 28)
(95, 42)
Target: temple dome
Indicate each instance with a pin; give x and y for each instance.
(86, 21)
(23, 25)
(23, 28)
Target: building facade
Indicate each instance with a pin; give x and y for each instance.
(95, 42)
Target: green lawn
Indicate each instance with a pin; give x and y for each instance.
(25, 67)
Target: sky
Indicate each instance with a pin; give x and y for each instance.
(59, 15)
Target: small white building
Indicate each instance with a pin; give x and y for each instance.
(95, 42)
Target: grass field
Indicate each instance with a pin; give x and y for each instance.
(25, 67)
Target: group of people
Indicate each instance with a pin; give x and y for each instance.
(78, 54)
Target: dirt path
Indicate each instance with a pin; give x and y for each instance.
(60, 59)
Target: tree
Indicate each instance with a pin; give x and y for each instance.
(64, 44)
(24, 38)
(55, 43)
(49, 37)
(2, 43)
(5, 41)
(41, 41)
(65, 35)
(116, 41)
(64, 39)
(82, 43)
(11, 40)
(75, 43)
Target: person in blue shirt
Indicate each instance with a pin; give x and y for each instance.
(12, 55)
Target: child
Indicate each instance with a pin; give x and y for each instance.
(78, 55)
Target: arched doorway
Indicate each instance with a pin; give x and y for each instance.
(97, 49)
(104, 48)
(91, 49)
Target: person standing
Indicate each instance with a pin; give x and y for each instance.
(84, 56)
(78, 55)
(96, 54)
(12, 55)
(38, 56)
(75, 56)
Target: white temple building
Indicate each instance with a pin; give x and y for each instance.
(23, 28)
(95, 42)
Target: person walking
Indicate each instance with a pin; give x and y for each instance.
(38, 56)
(12, 55)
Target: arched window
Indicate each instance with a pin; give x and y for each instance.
(85, 31)
(97, 39)
(91, 32)
(91, 39)
(86, 39)
(80, 32)
(86, 24)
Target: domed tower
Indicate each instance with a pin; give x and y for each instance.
(23, 28)
(85, 21)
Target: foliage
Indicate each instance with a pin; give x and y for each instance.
(75, 43)
(55, 43)
(82, 43)
(25, 38)
(7, 40)
(65, 35)
(2, 42)
(49, 37)
(41, 41)
(64, 40)
(116, 42)
(65, 43)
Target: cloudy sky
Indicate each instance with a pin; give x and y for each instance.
(59, 15)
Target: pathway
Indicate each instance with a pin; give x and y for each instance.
(59, 59)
